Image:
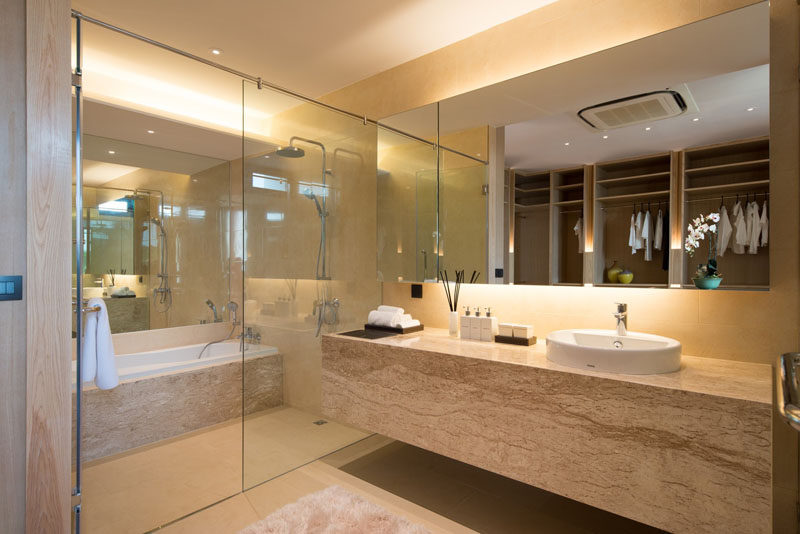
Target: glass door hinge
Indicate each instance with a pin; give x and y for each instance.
(76, 79)
(76, 500)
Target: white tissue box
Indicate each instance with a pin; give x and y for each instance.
(524, 331)
(506, 329)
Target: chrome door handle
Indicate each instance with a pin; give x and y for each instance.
(786, 388)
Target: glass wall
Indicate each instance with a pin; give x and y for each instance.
(308, 248)
(161, 142)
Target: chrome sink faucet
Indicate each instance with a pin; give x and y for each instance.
(622, 318)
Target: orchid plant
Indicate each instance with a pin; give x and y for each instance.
(702, 227)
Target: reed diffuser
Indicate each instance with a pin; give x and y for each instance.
(452, 298)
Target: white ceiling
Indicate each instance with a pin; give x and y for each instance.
(311, 46)
(723, 60)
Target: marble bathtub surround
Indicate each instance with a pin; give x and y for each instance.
(686, 452)
(149, 409)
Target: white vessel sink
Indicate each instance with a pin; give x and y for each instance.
(604, 350)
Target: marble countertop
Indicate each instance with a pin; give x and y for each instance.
(722, 378)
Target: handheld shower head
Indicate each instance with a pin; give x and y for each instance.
(309, 194)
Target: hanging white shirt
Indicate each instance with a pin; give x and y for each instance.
(764, 224)
(659, 230)
(724, 231)
(753, 228)
(739, 229)
(579, 232)
(647, 236)
(632, 235)
(639, 244)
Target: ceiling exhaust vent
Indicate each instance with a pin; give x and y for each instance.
(636, 109)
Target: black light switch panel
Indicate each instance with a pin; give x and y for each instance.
(10, 288)
(498, 273)
(416, 291)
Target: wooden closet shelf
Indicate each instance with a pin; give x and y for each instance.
(568, 203)
(532, 190)
(740, 186)
(728, 167)
(634, 196)
(635, 178)
(567, 187)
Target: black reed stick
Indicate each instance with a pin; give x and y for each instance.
(443, 278)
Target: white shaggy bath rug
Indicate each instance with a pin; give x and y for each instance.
(333, 510)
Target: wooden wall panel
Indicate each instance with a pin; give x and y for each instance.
(48, 279)
(12, 261)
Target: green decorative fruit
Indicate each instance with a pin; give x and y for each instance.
(613, 272)
(625, 277)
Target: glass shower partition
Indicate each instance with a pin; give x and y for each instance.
(306, 236)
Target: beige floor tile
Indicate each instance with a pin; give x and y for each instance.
(227, 517)
(150, 486)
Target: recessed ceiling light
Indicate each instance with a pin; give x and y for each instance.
(112, 152)
(151, 131)
(266, 157)
(696, 119)
(605, 137)
(194, 180)
(751, 108)
(647, 129)
(216, 51)
(566, 144)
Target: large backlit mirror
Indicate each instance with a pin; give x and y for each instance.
(576, 153)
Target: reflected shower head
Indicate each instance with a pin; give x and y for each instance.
(290, 152)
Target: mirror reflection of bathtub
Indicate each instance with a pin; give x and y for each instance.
(168, 392)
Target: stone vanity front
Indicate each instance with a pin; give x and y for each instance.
(686, 452)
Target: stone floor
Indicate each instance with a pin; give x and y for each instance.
(150, 486)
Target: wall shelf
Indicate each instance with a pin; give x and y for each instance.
(728, 167)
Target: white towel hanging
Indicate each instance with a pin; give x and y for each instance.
(739, 229)
(724, 231)
(658, 238)
(98, 362)
(639, 221)
(578, 228)
(632, 234)
(647, 236)
(753, 228)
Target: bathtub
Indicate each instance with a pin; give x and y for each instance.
(179, 359)
(168, 392)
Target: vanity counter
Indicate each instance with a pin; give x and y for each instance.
(724, 378)
(688, 451)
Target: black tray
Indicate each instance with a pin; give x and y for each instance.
(397, 330)
(515, 340)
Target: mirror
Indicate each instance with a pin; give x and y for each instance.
(676, 124)
(432, 200)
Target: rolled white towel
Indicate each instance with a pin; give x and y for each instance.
(384, 318)
(408, 324)
(393, 309)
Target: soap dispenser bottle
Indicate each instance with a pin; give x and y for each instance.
(466, 323)
(475, 325)
(488, 326)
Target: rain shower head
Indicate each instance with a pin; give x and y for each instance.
(290, 152)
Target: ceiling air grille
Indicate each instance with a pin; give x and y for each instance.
(632, 110)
